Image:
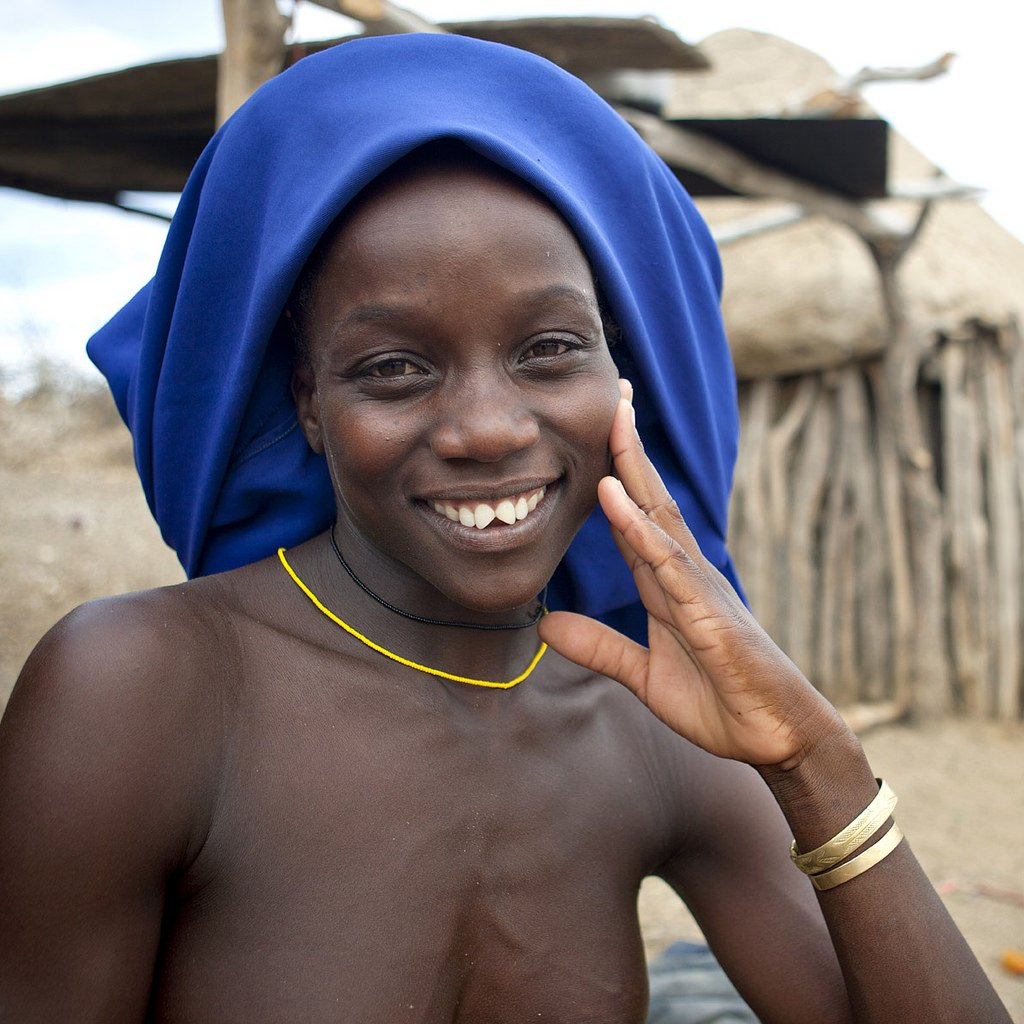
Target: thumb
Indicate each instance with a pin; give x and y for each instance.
(597, 647)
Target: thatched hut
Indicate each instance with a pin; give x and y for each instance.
(878, 513)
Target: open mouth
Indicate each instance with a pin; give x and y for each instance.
(507, 510)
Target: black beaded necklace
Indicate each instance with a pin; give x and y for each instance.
(532, 621)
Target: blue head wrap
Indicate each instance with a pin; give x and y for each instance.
(227, 473)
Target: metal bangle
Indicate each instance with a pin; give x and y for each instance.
(851, 838)
(863, 862)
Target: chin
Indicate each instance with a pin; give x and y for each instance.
(495, 594)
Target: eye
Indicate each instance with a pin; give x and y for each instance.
(391, 368)
(547, 348)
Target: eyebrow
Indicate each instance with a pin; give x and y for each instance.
(372, 313)
(380, 313)
(561, 291)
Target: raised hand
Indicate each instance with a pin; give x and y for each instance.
(711, 672)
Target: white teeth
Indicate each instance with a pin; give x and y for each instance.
(506, 512)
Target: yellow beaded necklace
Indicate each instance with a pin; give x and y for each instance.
(397, 657)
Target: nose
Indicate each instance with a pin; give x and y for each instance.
(485, 420)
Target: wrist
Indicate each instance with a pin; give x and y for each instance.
(826, 789)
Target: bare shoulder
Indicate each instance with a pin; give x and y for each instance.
(111, 760)
(135, 652)
(119, 714)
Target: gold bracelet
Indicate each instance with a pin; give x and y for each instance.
(864, 862)
(855, 835)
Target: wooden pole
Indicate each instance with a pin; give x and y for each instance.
(253, 52)
(1006, 517)
(907, 349)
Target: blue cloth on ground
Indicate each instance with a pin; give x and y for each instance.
(689, 987)
(202, 380)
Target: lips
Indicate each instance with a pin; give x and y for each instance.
(507, 508)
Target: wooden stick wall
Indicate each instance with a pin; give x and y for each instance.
(892, 571)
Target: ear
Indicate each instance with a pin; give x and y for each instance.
(307, 406)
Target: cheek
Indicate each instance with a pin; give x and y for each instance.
(586, 421)
(362, 450)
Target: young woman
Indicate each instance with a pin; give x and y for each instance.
(338, 776)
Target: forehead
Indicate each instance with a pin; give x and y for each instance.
(436, 207)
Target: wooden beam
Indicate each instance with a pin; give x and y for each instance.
(380, 17)
(757, 224)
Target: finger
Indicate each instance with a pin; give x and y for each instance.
(651, 593)
(677, 575)
(597, 647)
(642, 480)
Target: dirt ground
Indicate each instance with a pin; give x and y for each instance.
(75, 526)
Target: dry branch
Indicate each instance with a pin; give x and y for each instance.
(781, 439)
(752, 509)
(968, 563)
(810, 463)
(867, 75)
(843, 98)
(894, 534)
(1006, 516)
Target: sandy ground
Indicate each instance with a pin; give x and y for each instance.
(75, 526)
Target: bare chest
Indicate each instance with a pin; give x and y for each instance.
(395, 867)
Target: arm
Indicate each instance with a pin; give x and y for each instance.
(714, 676)
(94, 818)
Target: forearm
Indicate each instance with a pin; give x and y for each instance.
(718, 680)
(902, 957)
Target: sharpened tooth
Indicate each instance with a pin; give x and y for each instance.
(522, 509)
(483, 516)
(466, 517)
(506, 512)
(452, 513)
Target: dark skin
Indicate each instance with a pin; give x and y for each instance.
(216, 806)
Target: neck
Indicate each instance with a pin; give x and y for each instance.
(534, 618)
(430, 628)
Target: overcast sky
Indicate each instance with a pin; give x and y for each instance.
(66, 267)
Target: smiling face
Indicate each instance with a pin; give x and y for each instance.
(458, 381)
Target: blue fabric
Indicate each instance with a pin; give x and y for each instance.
(689, 987)
(203, 384)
